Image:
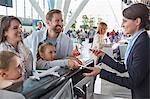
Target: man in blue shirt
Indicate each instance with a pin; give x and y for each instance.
(54, 35)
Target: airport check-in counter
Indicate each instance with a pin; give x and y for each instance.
(50, 86)
(53, 87)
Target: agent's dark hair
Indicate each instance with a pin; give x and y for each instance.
(5, 24)
(5, 59)
(41, 48)
(49, 15)
(135, 11)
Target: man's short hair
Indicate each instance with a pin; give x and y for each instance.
(49, 15)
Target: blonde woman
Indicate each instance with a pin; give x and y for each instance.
(99, 40)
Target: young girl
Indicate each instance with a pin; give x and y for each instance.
(10, 69)
(46, 58)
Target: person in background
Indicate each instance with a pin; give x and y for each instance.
(11, 40)
(136, 62)
(46, 56)
(111, 36)
(54, 35)
(99, 41)
(10, 69)
(39, 25)
(91, 34)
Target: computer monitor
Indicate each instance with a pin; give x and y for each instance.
(66, 92)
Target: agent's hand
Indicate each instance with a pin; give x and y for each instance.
(73, 64)
(95, 71)
(97, 53)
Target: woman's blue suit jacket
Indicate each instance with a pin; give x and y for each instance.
(138, 67)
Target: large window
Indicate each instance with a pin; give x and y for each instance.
(28, 9)
(2, 10)
(20, 8)
(12, 10)
(23, 8)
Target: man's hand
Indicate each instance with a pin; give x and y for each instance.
(94, 71)
(75, 52)
(73, 64)
(76, 59)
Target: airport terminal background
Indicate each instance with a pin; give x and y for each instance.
(80, 24)
(74, 12)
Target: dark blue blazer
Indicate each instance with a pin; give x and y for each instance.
(138, 67)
